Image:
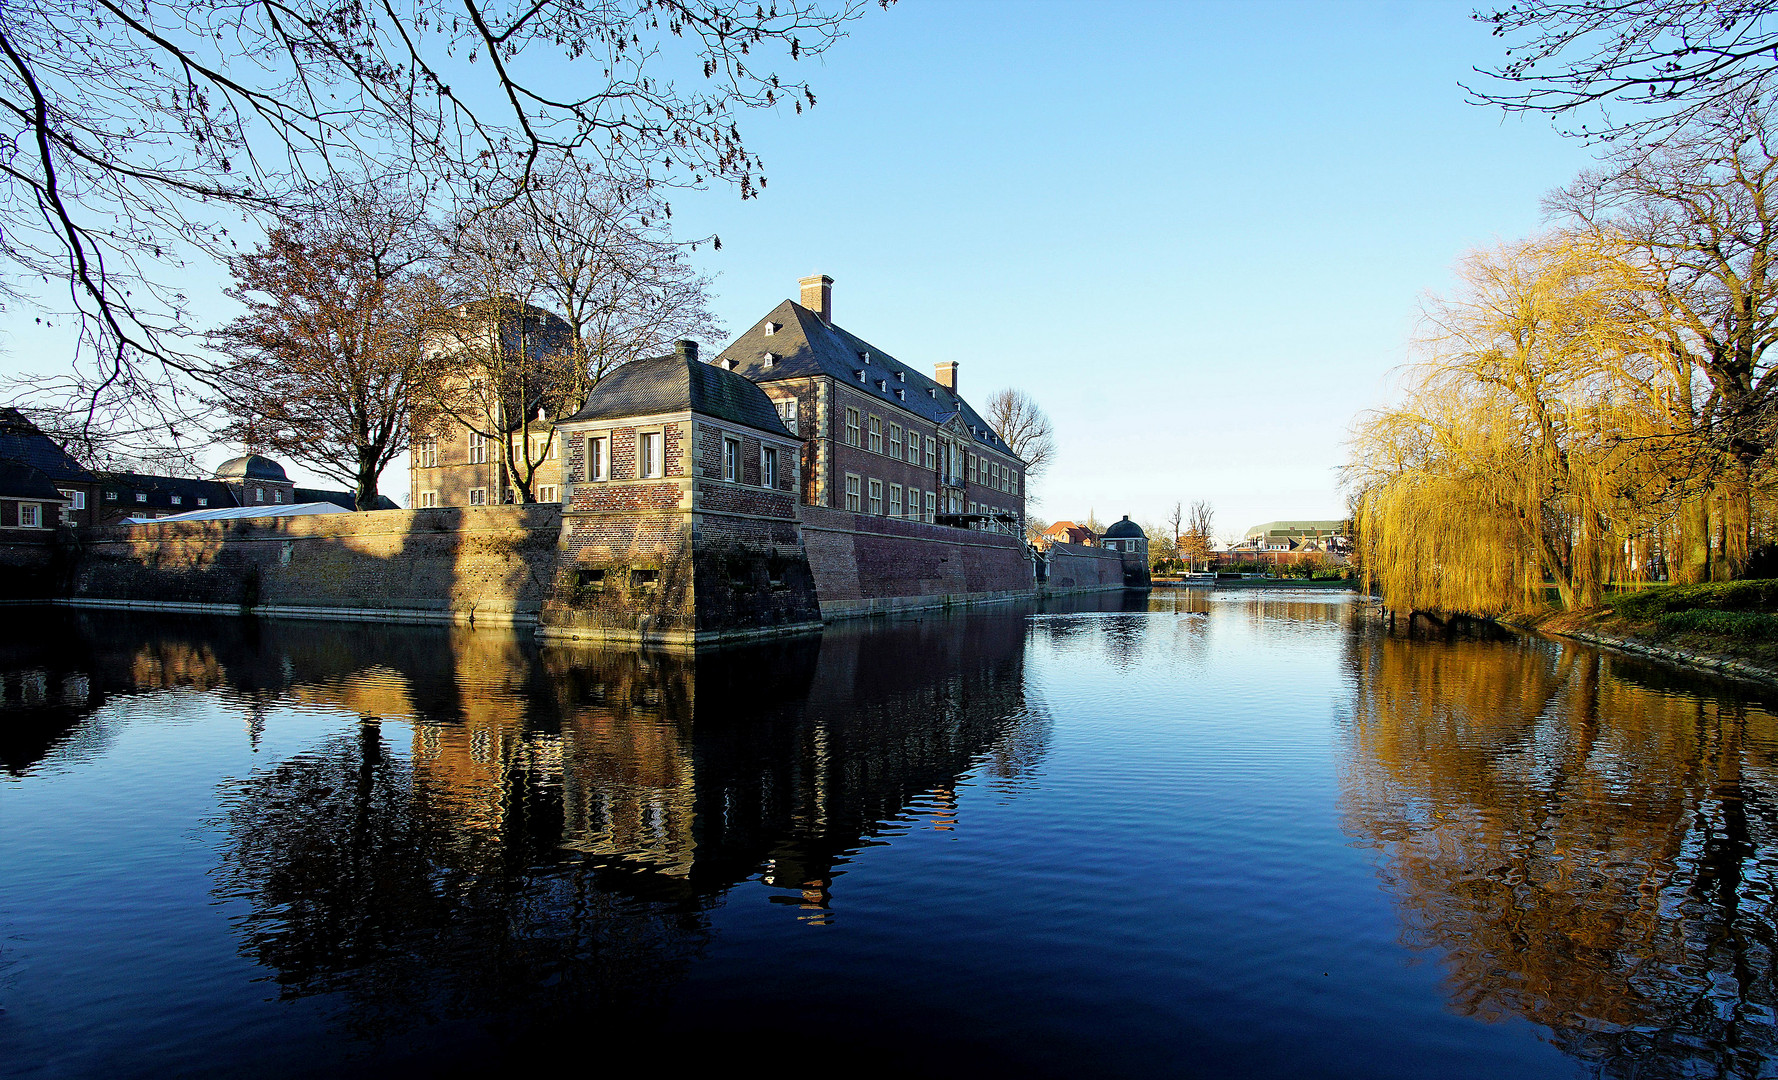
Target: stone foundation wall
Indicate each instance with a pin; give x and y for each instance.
(488, 565)
(1081, 568)
(864, 564)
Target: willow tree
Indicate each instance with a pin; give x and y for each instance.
(1522, 451)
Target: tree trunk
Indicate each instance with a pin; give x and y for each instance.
(1737, 521)
(364, 494)
(1691, 560)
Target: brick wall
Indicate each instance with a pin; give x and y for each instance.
(864, 564)
(1079, 567)
(487, 564)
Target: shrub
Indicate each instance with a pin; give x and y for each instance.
(1747, 625)
(1754, 594)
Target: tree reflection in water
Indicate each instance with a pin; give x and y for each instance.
(1587, 842)
(557, 826)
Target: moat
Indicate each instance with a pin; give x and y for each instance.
(1198, 833)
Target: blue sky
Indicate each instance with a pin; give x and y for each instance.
(1197, 233)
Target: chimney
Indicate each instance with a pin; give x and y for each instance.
(946, 374)
(818, 296)
(686, 350)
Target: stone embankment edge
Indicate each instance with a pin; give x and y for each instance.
(836, 610)
(1720, 665)
(294, 611)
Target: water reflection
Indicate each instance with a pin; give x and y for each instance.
(504, 828)
(1579, 840)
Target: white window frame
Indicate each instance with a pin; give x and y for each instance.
(428, 454)
(854, 493)
(895, 500)
(854, 436)
(428, 500)
(731, 459)
(648, 455)
(478, 448)
(768, 466)
(478, 496)
(787, 413)
(36, 512)
(546, 493)
(913, 503)
(931, 506)
(78, 496)
(876, 497)
(894, 442)
(931, 452)
(598, 458)
(876, 434)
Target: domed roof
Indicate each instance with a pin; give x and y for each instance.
(251, 467)
(1124, 530)
(681, 382)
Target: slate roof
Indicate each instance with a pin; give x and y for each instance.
(160, 491)
(1286, 528)
(803, 345)
(1125, 530)
(21, 441)
(681, 383)
(21, 481)
(253, 467)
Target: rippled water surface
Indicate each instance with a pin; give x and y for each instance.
(1212, 834)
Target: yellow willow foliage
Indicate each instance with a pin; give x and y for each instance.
(1544, 438)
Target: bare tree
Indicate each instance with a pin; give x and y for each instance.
(1693, 225)
(604, 259)
(1175, 525)
(146, 135)
(1647, 66)
(1197, 542)
(324, 364)
(1025, 429)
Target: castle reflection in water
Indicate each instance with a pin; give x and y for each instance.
(504, 817)
(1584, 842)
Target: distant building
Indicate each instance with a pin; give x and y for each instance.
(1127, 538)
(89, 498)
(1289, 542)
(1067, 532)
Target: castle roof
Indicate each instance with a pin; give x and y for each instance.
(251, 467)
(23, 442)
(801, 345)
(21, 481)
(1125, 530)
(680, 383)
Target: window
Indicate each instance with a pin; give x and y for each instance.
(178, 500)
(277, 496)
(895, 442)
(648, 453)
(428, 454)
(993, 474)
(931, 452)
(972, 478)
(203, 502)
(787, 413)
(876, 497)
(79, 498)
(428, 499)
(972, 509)
(30, 515)
(111, 496)
(894, 500)
(478, 448)
(876, 435)
(931, 505)
(259, 494)
(768, 466)
(644, 578)
(546, 493)
(596, 461)
(478, 496)
(731, 460)
(852, 488)
(852, 427)
(1012, 483)
(141, 497)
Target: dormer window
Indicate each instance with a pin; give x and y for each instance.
(865, 355)
(883, 384)
(901, 376)
(900, 393)
(727, 364)
(932, 391)
(860, 374)
(769, 358)
(771, 328)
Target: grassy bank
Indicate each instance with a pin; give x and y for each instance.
(1731, 619)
